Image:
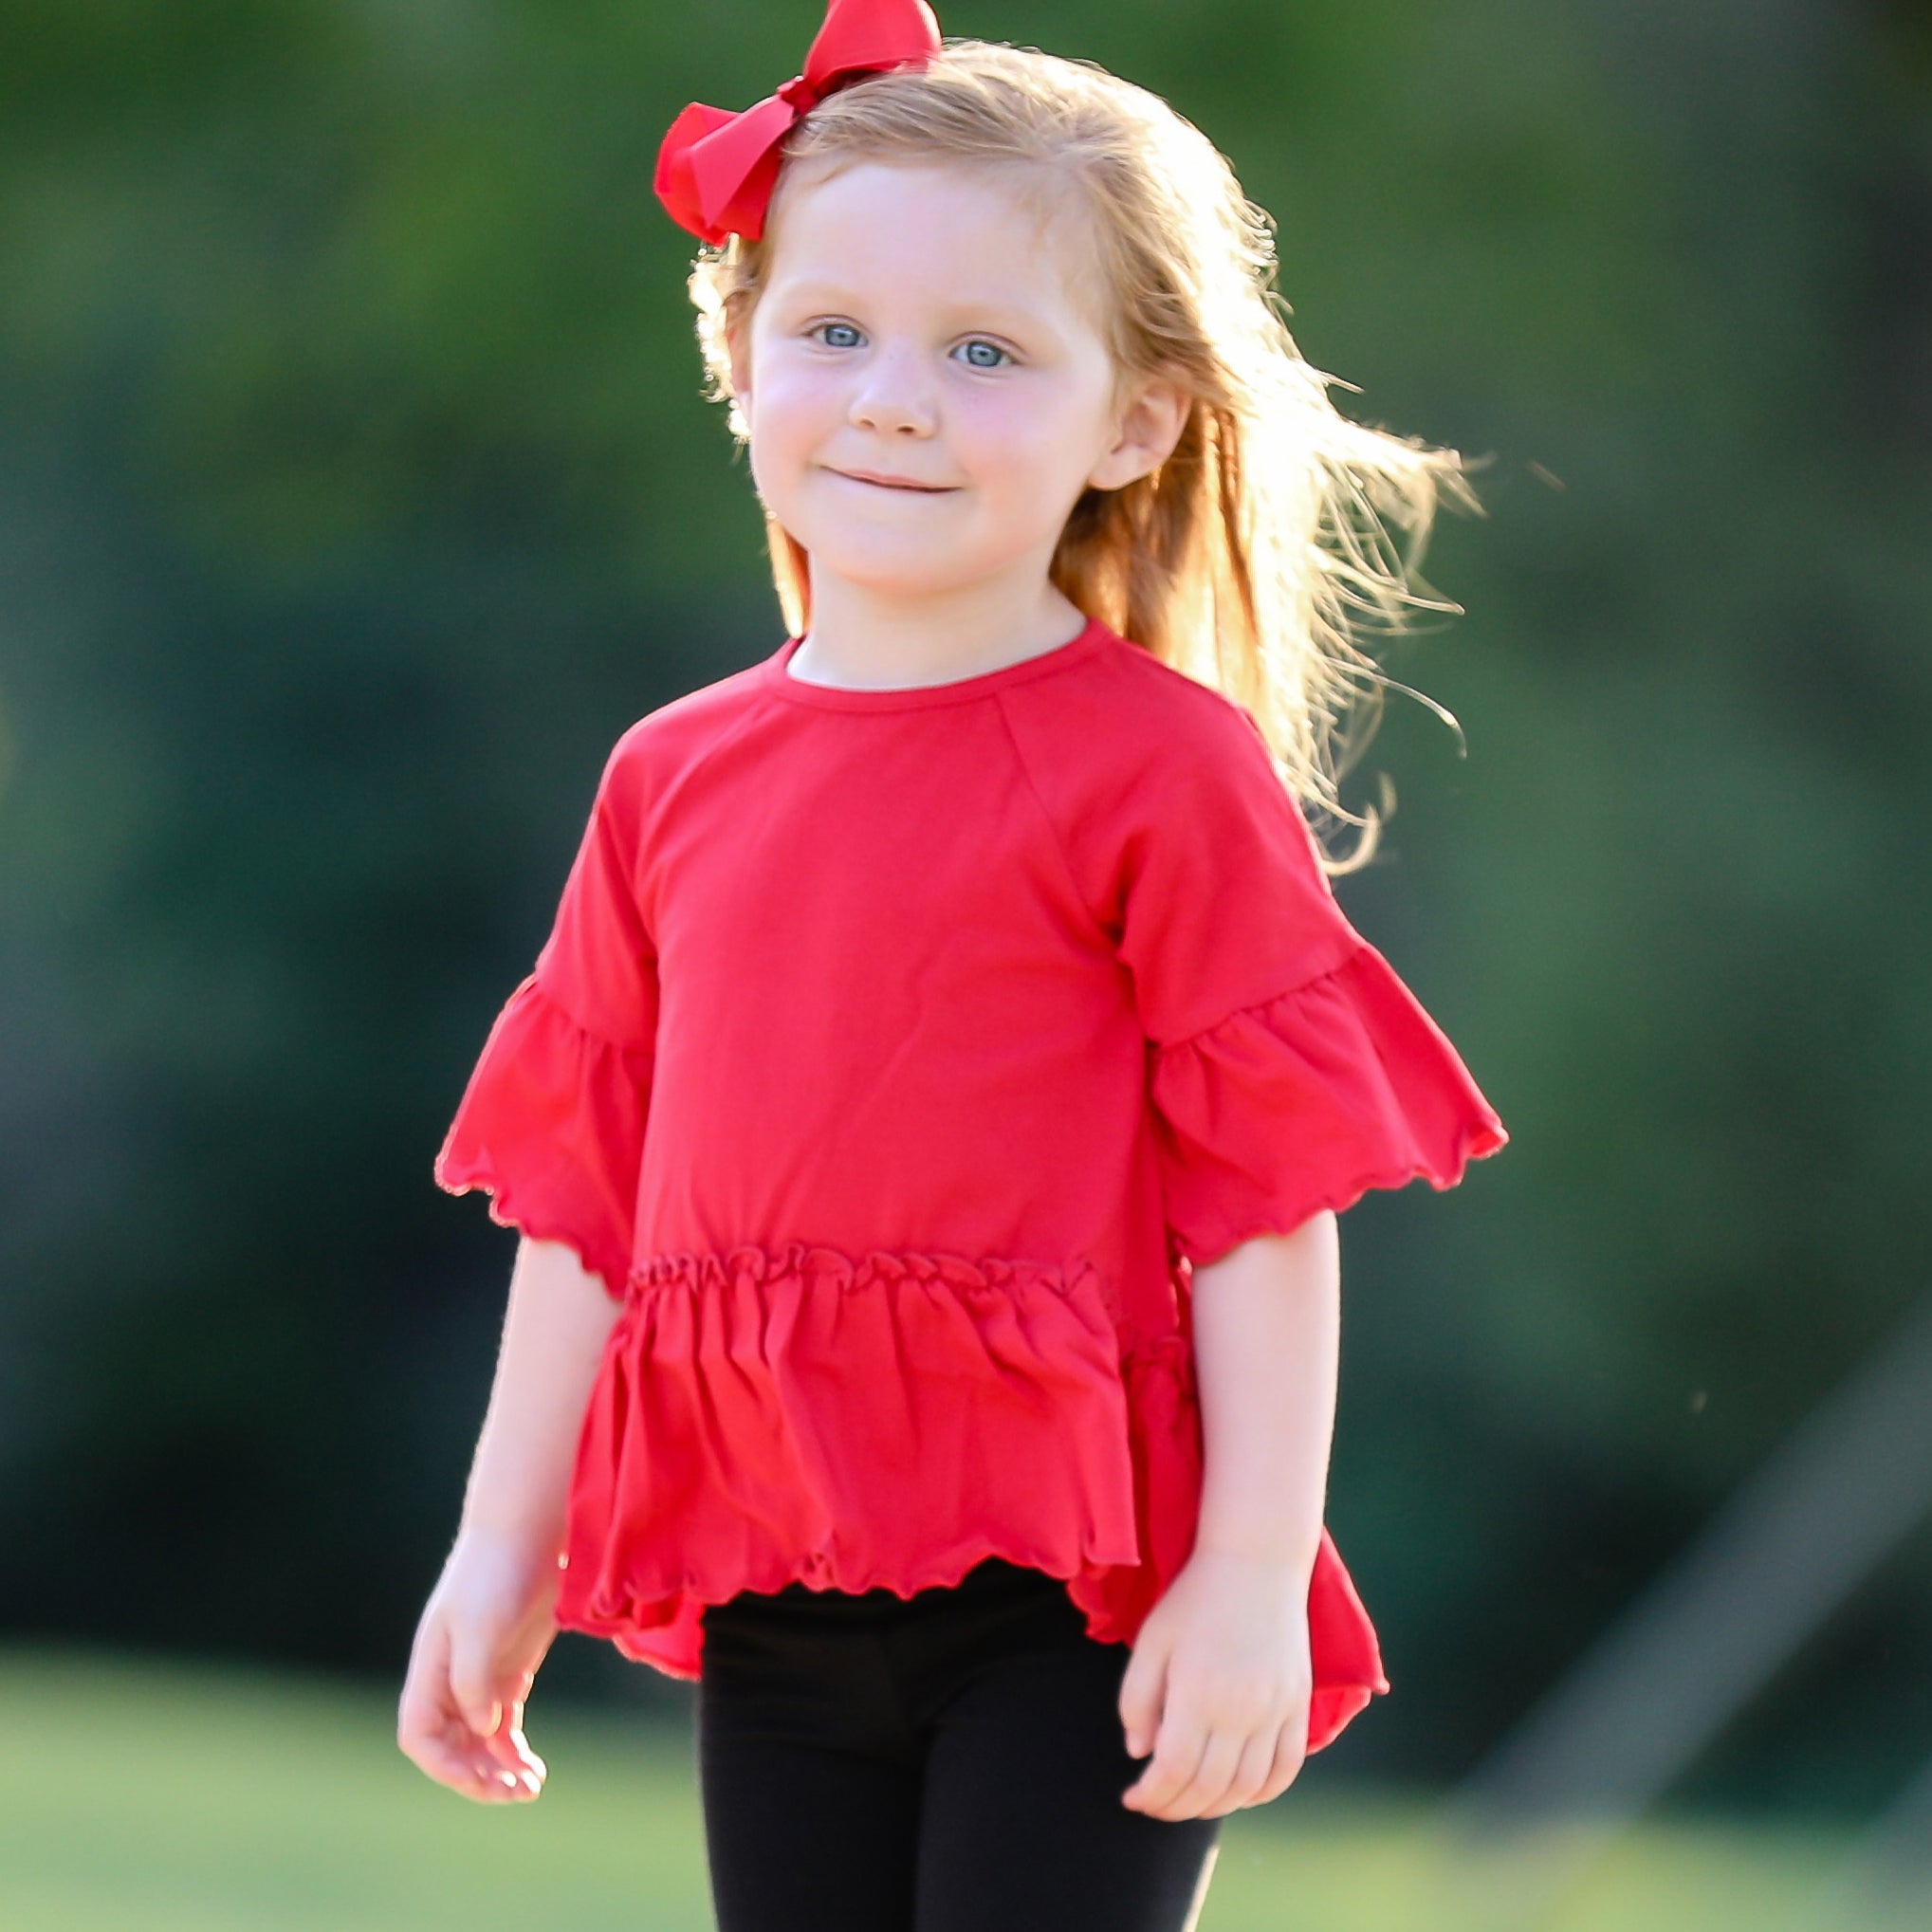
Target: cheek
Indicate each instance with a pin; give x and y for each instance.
(1035, 445)
(790, 408)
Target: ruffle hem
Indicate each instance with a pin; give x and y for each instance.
(552, 1126)
(765, 1416)
(1308, 1101)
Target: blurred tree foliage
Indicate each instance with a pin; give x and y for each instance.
(355, 491)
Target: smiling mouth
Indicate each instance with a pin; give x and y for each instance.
(881, 482)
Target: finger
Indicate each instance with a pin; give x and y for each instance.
(435, 1735)
(428, 1666)
(510, 1750)
(425, 1714)
(505, 1751)
(1219, 1756)
(1290, 1753)
(1177, 1757)
(1143, 1689)
(449, 1753)
(473, 1683)
(509, 1746)
(1251, 1773)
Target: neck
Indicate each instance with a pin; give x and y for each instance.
(864, 638)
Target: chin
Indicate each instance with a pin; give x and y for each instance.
(894, 577)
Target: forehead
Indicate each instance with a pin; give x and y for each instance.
(943, 234)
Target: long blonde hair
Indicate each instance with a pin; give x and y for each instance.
(1264, 549)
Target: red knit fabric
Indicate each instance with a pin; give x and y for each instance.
(894, 1057)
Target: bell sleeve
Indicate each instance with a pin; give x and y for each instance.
(551, 1124)
(1291, 1068)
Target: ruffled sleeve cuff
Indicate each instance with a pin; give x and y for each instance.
(1307, 1101)
(552, 1127)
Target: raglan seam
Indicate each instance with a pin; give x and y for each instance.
(1099, 924)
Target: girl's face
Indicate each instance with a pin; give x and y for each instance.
(924, 388)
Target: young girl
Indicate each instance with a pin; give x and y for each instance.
(927, 1118)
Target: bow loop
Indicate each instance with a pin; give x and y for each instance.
(716, 170)
(868, 36)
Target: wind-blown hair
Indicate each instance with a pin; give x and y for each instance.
(1265, 549)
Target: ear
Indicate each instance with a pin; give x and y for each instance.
(738, 348)
(1150, 425)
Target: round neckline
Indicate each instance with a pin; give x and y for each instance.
(837, 697)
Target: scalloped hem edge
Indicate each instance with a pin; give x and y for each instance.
(507, 1212)
(1476, 1143)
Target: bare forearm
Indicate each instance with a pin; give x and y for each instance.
(1266, 1339)
(556, 1325)
(1222, 1668)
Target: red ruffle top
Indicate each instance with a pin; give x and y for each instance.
(894, 1057)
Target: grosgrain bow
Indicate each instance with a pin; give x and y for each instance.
(716, 170)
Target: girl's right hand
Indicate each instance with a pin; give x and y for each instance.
(486, 1629)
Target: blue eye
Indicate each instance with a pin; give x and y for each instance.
(846, 326)
(996, 350)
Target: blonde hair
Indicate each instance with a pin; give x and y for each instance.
(1263, 550)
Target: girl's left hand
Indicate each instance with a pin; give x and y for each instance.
(1219, 1687)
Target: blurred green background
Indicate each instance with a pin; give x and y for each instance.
(355, 491)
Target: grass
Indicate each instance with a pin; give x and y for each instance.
(146, 1797)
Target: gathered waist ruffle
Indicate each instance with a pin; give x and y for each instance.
(770, 1414)
(813, 1265)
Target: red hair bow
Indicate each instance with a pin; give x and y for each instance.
(716, 170)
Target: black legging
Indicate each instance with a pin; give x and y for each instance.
(947, 1762)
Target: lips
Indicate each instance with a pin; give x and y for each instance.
(883, 482)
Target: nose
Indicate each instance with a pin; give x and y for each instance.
(895, 394)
